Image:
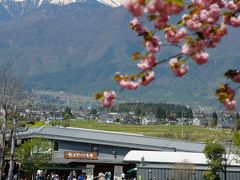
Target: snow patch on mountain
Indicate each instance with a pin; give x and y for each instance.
(112, 3)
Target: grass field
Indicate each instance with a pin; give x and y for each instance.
(186, 132)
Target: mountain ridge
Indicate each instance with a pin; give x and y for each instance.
(77, 48)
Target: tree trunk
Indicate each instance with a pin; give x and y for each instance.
(11, 156)
(3, 143)
(225, 172)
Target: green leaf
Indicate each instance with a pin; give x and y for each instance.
(117, 77)
(148, 36)
(191, 6)
(98, 96)
(180, 23)
(136, 56)
(178, 2)
(130, 26)
(151, 17)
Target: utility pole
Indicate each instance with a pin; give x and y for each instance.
(182, 124)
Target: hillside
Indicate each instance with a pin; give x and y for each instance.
(78, 49)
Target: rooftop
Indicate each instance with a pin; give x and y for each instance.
(172, 157)
(111, 138)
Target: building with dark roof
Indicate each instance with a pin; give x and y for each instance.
(94, 151)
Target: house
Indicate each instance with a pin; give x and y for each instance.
(172, 120)
(196, 122)
(182, 121)
(149, 120)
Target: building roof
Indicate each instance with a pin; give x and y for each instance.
(171, 157)
(201, 167)
(111, 138)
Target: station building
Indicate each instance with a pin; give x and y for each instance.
(92, 151)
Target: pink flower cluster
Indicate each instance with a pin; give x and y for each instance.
(108, 98)
(178, 67)
(202, 27)
(146, 79)
(203, 19)
(236, 78)
(137, 26)
(152, 45)
(175, 36)
(234, 75)
(132, 84)
(128, 84)
(229, 103)
(226, 95)
(136, 7)
(147, 62)
(233, 18)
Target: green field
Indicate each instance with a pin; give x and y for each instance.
(186, 132)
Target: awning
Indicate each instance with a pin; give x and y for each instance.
(132, 170)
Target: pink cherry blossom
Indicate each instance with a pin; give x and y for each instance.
(175, 36)
(137, 26)
(148, 78)
(205, 3)
(135, 8)
(200, 57)
(147, 62)
(214, 13)
(173, 9)
(108, 98)
(202, 27)
(153, 45)
(232, 6)
(235, 21)
(161, 21)
(155, 6)
(236, 78)
(222, 30)
(193, 46)
(130, 85)
(179, 68)
(193, 25)
(230, 104)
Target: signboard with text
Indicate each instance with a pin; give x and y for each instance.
(80, 155)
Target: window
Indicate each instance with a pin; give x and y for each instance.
(55, 145)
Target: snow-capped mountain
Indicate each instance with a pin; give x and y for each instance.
(112, 3)
(10, 9)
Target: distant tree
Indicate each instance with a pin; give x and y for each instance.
(34, 154)
(212, 123)
(236, 142)
(237, 116)
(93, 111)
(237, 124)
(160, 113)
(184, 170)
(67, 115)
(138, 111)
(214, 115)
(214, 152)
(189, 113)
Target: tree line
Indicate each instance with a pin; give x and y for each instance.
(159, 110)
